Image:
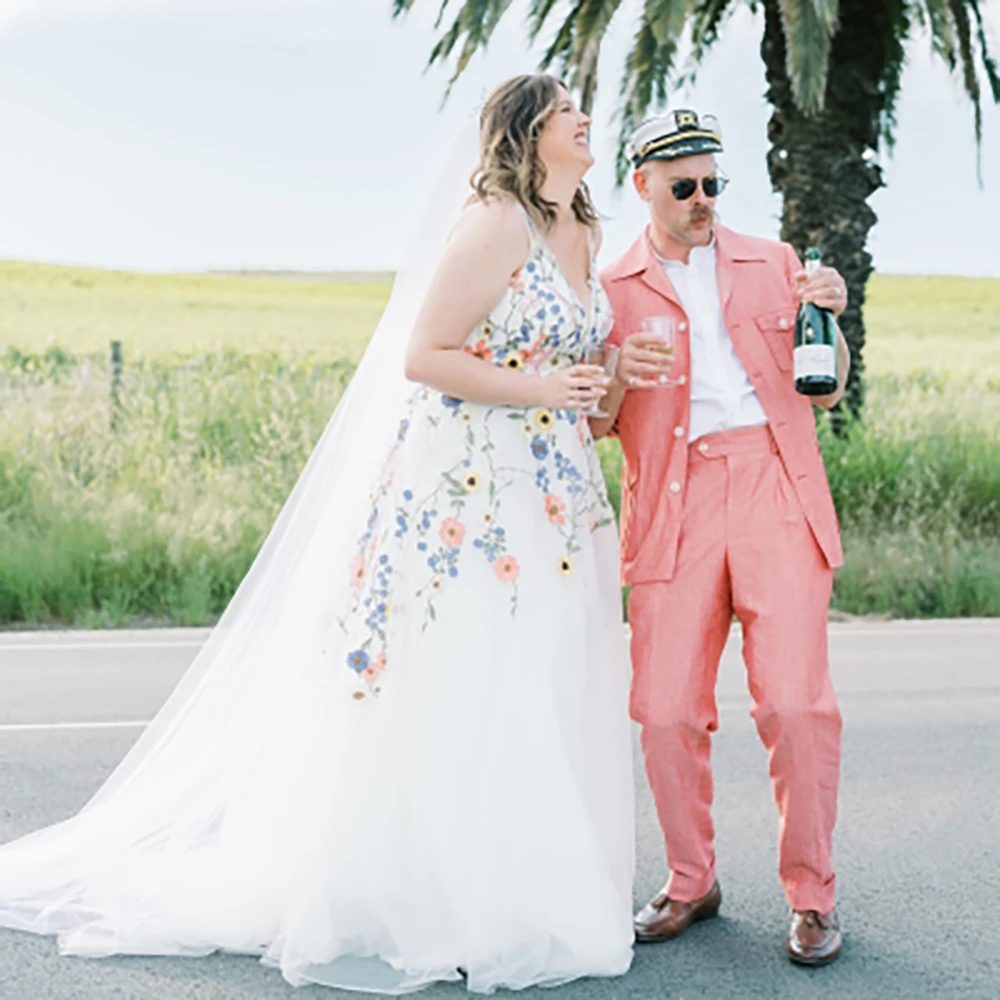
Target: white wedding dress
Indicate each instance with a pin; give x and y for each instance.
(404, 755)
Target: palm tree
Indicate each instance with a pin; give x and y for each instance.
(833, 70)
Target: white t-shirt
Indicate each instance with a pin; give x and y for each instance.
(722, 396)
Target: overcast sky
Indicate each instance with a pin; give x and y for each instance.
(188, 134)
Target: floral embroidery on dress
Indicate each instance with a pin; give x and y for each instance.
(430, 526)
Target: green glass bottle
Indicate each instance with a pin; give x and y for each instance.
(815, 357)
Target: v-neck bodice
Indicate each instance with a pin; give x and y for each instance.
(540, 322)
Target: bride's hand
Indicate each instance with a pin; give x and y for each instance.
(576, 388)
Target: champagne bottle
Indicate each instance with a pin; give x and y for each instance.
(815, 356)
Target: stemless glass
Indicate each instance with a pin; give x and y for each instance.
(662, 329)
(605, 357)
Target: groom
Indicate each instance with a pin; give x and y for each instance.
(726, 511)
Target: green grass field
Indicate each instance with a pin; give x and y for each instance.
(229, 379)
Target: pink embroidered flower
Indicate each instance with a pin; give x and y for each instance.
(506, 569)
(452, 532)
(375, 668)
(555, 507)
(479, 350)
(358, 570)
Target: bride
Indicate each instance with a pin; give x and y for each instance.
(403, 755)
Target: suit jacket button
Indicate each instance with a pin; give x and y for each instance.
(675, 487)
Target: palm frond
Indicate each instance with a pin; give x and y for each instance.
(473, 27)
(809, 27)
(970, 78)
(895, 62)
(538, 15)
(648, 68)
(940, 21)
(707, 18)
(989, 63)
(442, 10)
(577, 44)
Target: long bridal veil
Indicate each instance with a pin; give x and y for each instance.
(186, 846)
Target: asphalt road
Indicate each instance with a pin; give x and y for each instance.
(918, 844)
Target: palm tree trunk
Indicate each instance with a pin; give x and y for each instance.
(824, 165)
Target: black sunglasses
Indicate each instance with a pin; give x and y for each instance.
(686, 186)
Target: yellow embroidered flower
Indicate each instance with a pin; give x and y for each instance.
(358, 695)
(544, 419)
(514, 362)
(471, 482)
(565, 566)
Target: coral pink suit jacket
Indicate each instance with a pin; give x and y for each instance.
(759, 305)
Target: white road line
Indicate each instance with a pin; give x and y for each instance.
(50, 647)
(839, 632)
(40, 727)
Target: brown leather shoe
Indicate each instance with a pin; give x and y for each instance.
(814, 938)
(664, 918)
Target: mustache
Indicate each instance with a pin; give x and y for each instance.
(702, 212)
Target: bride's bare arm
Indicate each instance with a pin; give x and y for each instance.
(489, 243)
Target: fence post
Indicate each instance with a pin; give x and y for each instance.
(116, 382)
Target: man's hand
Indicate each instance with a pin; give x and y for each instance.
(825, 287)
(643, 361)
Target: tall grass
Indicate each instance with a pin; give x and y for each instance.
(154, 509)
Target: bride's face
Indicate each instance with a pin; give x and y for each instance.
(565, 138)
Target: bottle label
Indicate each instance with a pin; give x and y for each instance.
(813, 360)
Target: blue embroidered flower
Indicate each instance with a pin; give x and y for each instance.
(451, 402)
(539, 449)
(407, 495)
(358, 661)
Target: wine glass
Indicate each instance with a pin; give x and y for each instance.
(661, 328)
(604, 357)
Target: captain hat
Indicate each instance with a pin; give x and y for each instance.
(673, 135)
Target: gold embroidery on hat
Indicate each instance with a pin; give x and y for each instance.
(676, 138)
(686, 119)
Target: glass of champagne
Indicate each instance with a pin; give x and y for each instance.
(604, 357)
(661, 328)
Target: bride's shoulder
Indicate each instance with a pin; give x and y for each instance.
(496, 222)
(494, 215)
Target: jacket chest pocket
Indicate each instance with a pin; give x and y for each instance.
(778, 331)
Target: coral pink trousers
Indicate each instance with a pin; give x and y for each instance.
(745, 549)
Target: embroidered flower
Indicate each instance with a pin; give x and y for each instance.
(555, 507)
(358, 660)
(514, 361)
(358, 570)
(451, 402)
(452, 532)
(506, 569)
(544, 419)
(479, 350)
(566, 566)
(471, 482)
(539, 448)
(374, 669)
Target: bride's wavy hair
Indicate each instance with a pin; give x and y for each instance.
(511, 121)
